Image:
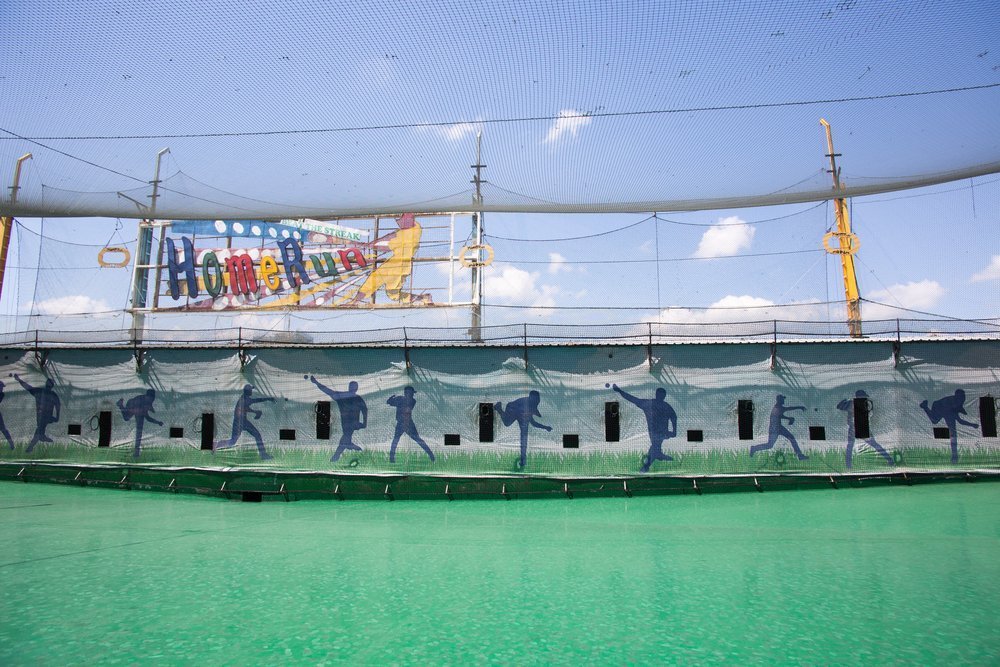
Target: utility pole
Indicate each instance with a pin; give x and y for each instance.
(7, 221)
(143, 254)
(475, 331)
(847, 242)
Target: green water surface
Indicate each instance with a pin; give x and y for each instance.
(855, 576)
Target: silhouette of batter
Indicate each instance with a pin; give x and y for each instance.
(847, 405)
(523, 411)
(139, 407)
(244, 406)
(661, 422)
(949, 408)
(46, 409)
(353, 414)
(404, 422)
(391, 274)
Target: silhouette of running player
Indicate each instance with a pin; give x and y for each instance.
(949, 408)
(847, 405)
(3, 427)
(404, 422)
(776, 428)
(46, 409)
(244, 406)
(353, 414)
(661, 421)
(139, 407)
(523, 411)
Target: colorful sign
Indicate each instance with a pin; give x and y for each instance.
(291, 263)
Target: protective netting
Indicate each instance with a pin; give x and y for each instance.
(317, 109)
(586, 411)
(927, 254)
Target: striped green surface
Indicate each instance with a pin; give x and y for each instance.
(888, 574)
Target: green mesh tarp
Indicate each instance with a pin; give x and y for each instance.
(561, 411)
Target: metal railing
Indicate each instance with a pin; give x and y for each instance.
(644, 333)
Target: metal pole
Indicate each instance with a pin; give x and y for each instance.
(7, 221)
(451, 262)
(847, 240)
(477, 225)
(143, 255)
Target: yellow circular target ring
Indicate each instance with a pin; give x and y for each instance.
(105, 264)
(853, 243)
(476, 259)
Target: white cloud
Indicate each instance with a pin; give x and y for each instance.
(558, 263)
(459, 131)
(74, 304)
(569, 121)
(742, 308)
(923, 295)
(991, 272)
(725, 239)
(509, 284)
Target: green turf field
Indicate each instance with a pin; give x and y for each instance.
(855, 576)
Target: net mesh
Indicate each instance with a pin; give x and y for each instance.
(316, 109)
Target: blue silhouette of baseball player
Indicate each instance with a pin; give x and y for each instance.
(776, 428)
(46, 409)
(353, 414)
(523, 411)
(139, 407)
(244, 406)
(847, 405)
(3, 427)
(404, 422)
(661, 422)
(949, 408)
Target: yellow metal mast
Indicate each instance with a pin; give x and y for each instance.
(847, 243)
(7, 221)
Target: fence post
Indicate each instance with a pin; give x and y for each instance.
(525, 329)
(774, 344)
(406, 349)
(897, 347)
(649, 345)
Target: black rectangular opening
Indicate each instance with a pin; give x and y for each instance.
(988, 416)
(74, 429)
(695, 435)
(286, 434)
(744, 419)
(486, 422)
(817, 433)
(252, 496)
(207, 430)
(176, 432)
(571, 441)
(322, 420)
(104, 429)
(612, 422)
(862, 414)
(452, 439)
(942, 433)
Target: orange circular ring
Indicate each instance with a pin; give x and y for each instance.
(104, 264)
(853, 243)
(475, 262)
